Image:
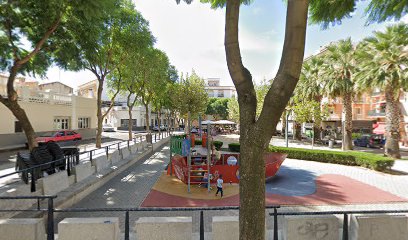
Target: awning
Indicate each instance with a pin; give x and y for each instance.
(207, 122)
(224, 122)
(379, 128)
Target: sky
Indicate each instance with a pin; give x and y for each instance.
(193, 37)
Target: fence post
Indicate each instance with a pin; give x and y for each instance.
(68, 161)
(90, 155)
(118, 145)
(107, 150)
(155, 137)
(32, 181)
(128, 143)
(275, 224)
(201, 225)
(345, 227)
(127, 225)
(50, 220)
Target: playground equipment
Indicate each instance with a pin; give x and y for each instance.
(197, 169)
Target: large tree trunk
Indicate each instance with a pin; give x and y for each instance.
(403, 132)
(392, 124)
(99, 114)
(11, 102)
(348, 122)
(256, 134)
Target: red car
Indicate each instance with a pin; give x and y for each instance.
(59, 136)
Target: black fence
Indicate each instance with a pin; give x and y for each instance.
(50, 210)
(72, 158)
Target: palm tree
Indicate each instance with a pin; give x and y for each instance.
(311, 86)
(384, 60)
(338, 72)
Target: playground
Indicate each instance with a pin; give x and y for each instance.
(289, 182)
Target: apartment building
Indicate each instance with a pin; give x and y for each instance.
(47, 110)
(214, 89)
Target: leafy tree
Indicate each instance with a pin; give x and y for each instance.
(45, 25)
(383, 59)
(233, 110)
(122, 31)
(218, 107)
(190, 96)
(257, 132)
(339, 73)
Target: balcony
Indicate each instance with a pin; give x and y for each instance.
(376, 113)
(334, 117)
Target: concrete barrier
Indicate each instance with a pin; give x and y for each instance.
(125, 153)
(169, 228)
(89, 229)
(83, 171)
(114, 156)
(55, 183)
(133, 148)
(311, 228)
(376, 227)
(100, 163)
(22, 229)
(225, 227)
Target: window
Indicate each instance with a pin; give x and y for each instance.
(358, 111)
(220, 93)
(124, 122)
(69, 133)
(61, 123)
(84, 122)
(17, 127)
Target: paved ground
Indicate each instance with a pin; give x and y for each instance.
(130, 188)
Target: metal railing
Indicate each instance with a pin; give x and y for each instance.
(74, 159)
(50, 210)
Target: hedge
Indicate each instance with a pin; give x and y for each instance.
(198, 142)
(234, 147)
(352, 158)
(218, 144)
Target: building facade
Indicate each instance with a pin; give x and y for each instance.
(214, 89)
(47, 110)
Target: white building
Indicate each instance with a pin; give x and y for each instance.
(118, 116)
(214, 89)
(47, 110)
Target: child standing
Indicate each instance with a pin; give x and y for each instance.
(219, 186)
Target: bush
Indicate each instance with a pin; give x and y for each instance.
(198, 142)
(218, 144)
(234, 147)
(352, 158)
(356, 135)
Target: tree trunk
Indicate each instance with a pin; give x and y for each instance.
(147, 118)
(130, 127)
(256, 134)
(348, 122)
(11, 102)
(403, 133)
(284, 123)
(392, 124)
(316, 132)
(159, 121)
(298, 131)
(99, 112)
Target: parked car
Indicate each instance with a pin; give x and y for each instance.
(370, 141)
(156, 128)
(59, 136)
(108, 128)
(163, 128)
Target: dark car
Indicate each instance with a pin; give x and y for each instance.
(370, 141)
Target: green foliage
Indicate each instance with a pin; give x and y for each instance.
(198, 142)
(383, 60)
(217, 144)
(233, 110)
(261, 90)
(352, 158)
(356, 135)
(234, 147)
(189, 95)
(218, 107)
(309, 111)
